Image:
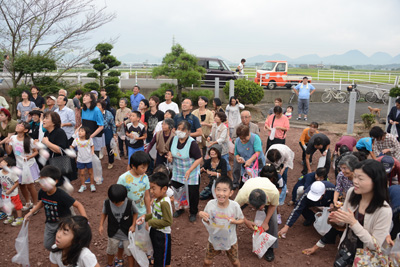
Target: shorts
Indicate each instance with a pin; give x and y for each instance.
(232, 253)
(15, 200)
(112, 246)
(226, 158)
(82, 166)
(161, 246)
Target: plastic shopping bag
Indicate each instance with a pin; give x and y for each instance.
(6, 205)
(181, 197)
(321, 162)
(26, 176)
(393, 252)
(393, 131)
(260, 217)
(219, 235)
(41, 133)
(321, 222)
(22, 246)
(272, 134)
(262, 241)
(142, 239)
(97, 169)
(213, 190)
(114, 149)
(139, 255)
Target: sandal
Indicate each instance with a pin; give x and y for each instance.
(118, 263)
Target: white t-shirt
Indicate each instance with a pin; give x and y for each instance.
(241, 68)
(19, 152)
(86, 258)
(164, 107)
(7, 181)
(84, 150)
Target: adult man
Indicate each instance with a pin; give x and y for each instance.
(318, 142)
(186, 114)
(278, 102)
(70, 103)
(303, 91)
(392, 168)
(51, 103)
(240, 68)
(384, 143)
(36, 98)
(394, 118)
(67, 117)
(262, 195)
(168, 103)
(136, 97)
(304, 139)
(319, 194)
(246, 120)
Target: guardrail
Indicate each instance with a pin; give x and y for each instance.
(357, 75)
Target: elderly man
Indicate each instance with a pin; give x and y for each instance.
(304, 91)
(246, 120)
(263, 195)
(67, 116)
(51, 103)
(186, 114)
(136, 97)
(70, 103)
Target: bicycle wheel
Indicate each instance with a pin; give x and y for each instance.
(385, 98)
(357, 97)
(326, 97)
(370, 97)
(291, 98)
(341, 97)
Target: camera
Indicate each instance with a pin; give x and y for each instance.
(345, 258)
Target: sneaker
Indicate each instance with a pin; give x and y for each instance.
(87, 181)
(206, 193)
(99, 181)
(279, 218)
(269, 255)
(192, 218)
(92, 188)
(298, 118)
(18, 222)
(27, 206)
(305, 119)
(110, 166)
(82, 188)
(178, 213)
(2, 215)
(9, 219)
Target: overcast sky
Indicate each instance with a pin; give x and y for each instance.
(236, 29)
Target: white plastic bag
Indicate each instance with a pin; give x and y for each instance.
(395, 252)
(213, 190)
(262, 241)
(393, 131)
(41, 133)
(97, 170)
(7, 206)
(220, 236)
(181, 197)
(260, 217)
(139, 255)
(272, 134)
(114, 149)
(26, 176)
(22, 246)
(321, 162)
(321, 222)
(142, 239)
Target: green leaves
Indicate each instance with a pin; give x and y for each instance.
(248, 92)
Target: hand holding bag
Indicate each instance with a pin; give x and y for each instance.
(181, 197)
(220, 236)
(321, 222)
(371, 258)
(22, 246)
(262, 241)
(250, 172)
(63, 163)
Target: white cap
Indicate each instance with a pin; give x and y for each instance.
(316, 191)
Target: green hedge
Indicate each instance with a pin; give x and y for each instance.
(248, 92)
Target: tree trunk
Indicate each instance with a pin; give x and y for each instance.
(179, 93)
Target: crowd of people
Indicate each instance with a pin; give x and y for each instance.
(167, 149)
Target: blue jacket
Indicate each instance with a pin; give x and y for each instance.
(394, 195)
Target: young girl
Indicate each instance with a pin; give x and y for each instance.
(233, 113)
(289, 112)
(84, 161)
(143, 107)
(25, 151)
(72, 244)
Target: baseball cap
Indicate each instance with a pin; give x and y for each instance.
(388, 163)
(316, 191)
(52, 97)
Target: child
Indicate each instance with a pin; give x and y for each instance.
(289, 111)
(25, 152)
(136, 132)
(73, 239)
(9, 183)
(84, 161)
(233, 113)
(56, 203)
(143, 107)
(160, 220)
(217, 212)
(137, 183)
(35, 124)
(122, 215)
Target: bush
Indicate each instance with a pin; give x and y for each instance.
(394, 92)
(111, 80)
(92, 75)
(92, 86)
(160, 93)
(248, 92)
(195, 94)
(114, 73)
(368, 119)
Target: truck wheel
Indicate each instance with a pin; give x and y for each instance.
(288, 86)
(271, 85)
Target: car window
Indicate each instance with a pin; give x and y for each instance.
(202, 63)
(213, 65)
(280, 67)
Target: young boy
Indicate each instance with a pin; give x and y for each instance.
(136, 132)
(9, 183)
(160, 219)
(217, 212)
(122, 215)
(56, 203)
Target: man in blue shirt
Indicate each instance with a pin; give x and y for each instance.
(67, 117)
(136, 97)
(186, 114)
(304, 90)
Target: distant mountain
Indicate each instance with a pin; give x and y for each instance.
(139, 58)
(381, 58)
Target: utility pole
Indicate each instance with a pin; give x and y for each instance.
(173, 40)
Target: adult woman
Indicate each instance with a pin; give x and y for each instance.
(169, 114)
(281, 125)
(365, 212)
(214, 167)
(122, 116)
(248, 148)
(93, 119)
(206, 119)
(105, 98)
(186, 157)
(217, 103)
(110, 130)
(54, 138)
(25, 106)
(233, 113)
(7, 125)
(162, 140)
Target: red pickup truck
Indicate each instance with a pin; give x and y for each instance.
(274, 73)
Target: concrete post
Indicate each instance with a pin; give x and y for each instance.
(352, 112)
(231, 88)
(216, 89)
(135, 77)
(79, 78)
(340, 84)
(119, 83)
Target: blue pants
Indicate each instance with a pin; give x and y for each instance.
(131, 151)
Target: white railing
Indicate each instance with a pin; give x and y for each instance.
(366, 76)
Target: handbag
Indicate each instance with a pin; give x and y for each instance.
(250, 172)
(63, 163)
(367, 257)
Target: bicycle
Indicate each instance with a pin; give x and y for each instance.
(335, 93)
(354, 89)
(377, 94)
(292, 96)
